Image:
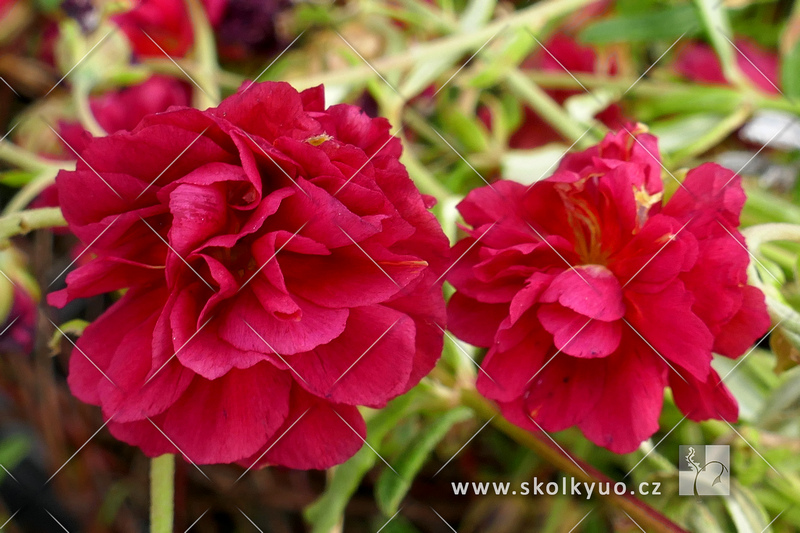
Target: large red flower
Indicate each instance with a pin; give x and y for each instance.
(281, 269)
(592, 296)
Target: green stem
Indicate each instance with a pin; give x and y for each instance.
(713, 136)
(205, 53)
(162, 493)
(19, 157)
(25, 221)
(548, 108)
(644, 515)
(80, 96)
(31, 190)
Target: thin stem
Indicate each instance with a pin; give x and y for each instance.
(31, 190)
(19, 157)
(647, 517)
(162, 493)
(80, 96)
(25, 221)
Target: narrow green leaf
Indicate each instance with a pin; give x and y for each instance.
(652, 26)
(790, 72)
(714, 16)
(391, 487)
(328, 510)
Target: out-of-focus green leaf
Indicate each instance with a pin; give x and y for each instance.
(667, 23)
(790, 71)
(745, 510)
(470, 133)
(328, 510)
(16, 178)
(529, 166)
(714, 15)
(13, 450)
(391, 487)
(677, 133)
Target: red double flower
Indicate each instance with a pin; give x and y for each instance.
(279, 267)
(593, 295)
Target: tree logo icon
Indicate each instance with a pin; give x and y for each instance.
(704, 470)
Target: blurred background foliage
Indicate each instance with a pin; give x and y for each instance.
(477, 90)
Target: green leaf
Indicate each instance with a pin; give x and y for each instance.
(12, 451)
(718, 28)
(747, 513)
(16, 178)
(391, 487)
(790, 72)
(655, 25)
(327, 511)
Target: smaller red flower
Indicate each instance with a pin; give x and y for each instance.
(167, 23)
(592, 295)
(698, 62)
